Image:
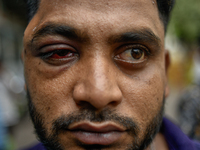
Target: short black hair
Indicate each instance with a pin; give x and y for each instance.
(31, 8)
(164, 7)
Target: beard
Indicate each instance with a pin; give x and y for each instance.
(61, 124)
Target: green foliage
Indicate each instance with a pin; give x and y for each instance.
(185, 20)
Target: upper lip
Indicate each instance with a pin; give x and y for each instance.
(96, 127)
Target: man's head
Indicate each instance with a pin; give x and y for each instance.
(96, 72)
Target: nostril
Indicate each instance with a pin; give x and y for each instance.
(85, 105)
(82, 103)
(114, 103)
(86, 95)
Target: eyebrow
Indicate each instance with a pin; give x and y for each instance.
(142, 35)
(63, 30)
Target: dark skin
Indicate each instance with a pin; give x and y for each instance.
(97, 55)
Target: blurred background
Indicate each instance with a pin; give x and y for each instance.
(182, 105)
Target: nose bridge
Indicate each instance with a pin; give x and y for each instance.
(98, 87)
(99, 75)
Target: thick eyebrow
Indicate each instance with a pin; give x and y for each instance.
(143, 35)
(63, 30)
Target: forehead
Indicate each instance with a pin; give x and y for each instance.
(99, 15)
(98, 5)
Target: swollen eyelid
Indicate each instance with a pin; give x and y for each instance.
(58, 54)
(59, 57)
(60, 49)
(62, 54)
(46, 55)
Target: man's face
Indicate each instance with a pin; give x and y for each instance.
(96, 73)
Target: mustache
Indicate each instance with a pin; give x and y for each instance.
(63, 122)
(51, 139)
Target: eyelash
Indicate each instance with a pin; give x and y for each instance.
(49, 54)
(46, 56)
(129, 64)
(126, 47)
(139, 46)
(49, 50)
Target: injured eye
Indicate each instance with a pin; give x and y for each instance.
(58, 54)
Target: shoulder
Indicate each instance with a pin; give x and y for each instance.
(197, 145)
(36, 147)
(176, 139)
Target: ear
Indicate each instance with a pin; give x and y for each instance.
(22, 58)
(22, 55)
(167, 64)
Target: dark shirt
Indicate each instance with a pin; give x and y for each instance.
(176, 139)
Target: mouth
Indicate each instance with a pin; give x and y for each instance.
(97, 133)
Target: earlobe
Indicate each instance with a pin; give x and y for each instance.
(167, 64)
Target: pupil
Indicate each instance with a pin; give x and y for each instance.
(136, 53)
(62, 53)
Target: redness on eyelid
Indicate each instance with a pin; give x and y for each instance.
(56, 56)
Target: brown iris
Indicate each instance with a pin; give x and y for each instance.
(137, 53)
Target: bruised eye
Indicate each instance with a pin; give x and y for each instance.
(59, 54)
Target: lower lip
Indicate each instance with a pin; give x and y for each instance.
(91, 138)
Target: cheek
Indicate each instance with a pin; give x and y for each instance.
(143, 95)
(51, 95)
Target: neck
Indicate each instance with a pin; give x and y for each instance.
(159, 143)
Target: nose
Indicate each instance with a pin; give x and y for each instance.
(97, 86)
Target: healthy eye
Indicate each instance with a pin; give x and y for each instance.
(137, 53)
(133, 55)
